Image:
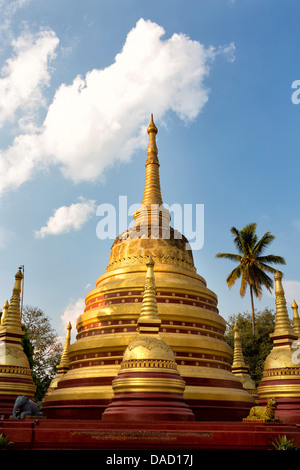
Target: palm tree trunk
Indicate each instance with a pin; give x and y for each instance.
(252, 306)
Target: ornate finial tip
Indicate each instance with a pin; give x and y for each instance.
(152, 127)
(235, 327)
(19, 275)
(69, 326)
(150, 261)
(294, 304)
(278, 275)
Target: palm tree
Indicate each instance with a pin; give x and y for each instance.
(252, 264)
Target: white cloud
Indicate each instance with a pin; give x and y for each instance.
(72, 311)
(7, 12)
(100, 118)
(292, 291)
(26, 74)
(67, 218)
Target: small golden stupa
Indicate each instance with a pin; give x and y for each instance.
(148, 385)
(63, 365)
(15, 373)
(190, 321)
(296, 319)
(281, 376)
(239, 367)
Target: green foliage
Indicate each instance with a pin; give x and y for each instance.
(42, 346)
(4, 441)
(282, 443)
(27, 346)
(257, 346)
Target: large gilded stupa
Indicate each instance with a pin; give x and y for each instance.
(190, 321)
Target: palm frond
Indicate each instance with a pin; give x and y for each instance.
(231, 256)
(244, 283)
(234, 276)
(249, 238)
(271, 259)
(263, 243)
(237, 239)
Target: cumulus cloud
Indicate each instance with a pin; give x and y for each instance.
(100, 118)
(24, 75)
(67, 218)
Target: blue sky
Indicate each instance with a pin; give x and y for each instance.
(78, 81)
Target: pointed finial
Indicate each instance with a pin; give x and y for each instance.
(296, 319)
(152, 127)
(149, 321)
(294, 304)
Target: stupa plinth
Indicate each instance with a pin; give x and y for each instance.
(190, 321)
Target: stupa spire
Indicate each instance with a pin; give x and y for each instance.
(152, 192)
(239, 368)
(238, 357)
(11, 324)
(63, 366)
(296, 319)
(15, 373)
(149, 321)
(283, 328)
(64, 360)
(152, 211)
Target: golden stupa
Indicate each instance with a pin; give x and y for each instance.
(239, 367)
(15, 373)
(148, 386)
(281, 376)
(63, 365)
(190, 321)
(296, 319)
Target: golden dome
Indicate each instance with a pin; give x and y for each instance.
(279, 358)
(148, 348)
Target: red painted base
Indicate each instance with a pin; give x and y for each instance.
(204, 410)
(141, 407)
(48, 434)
